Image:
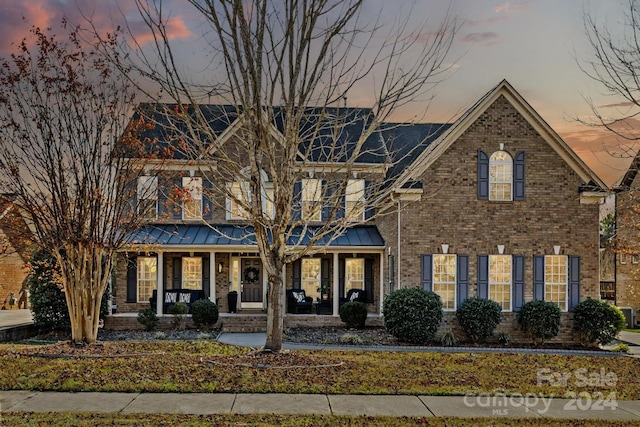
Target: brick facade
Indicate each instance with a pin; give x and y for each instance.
(14, 254)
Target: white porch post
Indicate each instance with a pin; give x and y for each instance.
(160, 283)
(336, 286)
(381, 280)
(212, 276)
(283, 292)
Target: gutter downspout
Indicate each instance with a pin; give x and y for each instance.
(398, 262)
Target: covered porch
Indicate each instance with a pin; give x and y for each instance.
(221, 263)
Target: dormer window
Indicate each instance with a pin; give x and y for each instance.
(192, 204)
(500, 176)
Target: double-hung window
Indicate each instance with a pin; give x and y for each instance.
(354, 274)
(192, 204)
(556, 278)
(147, 277)
(311, 277)
(311, 199)
(500, 176)
(354, 200)
(500, 278)
(148, 197)
(239, 196)
(444, 279)
(192, 273)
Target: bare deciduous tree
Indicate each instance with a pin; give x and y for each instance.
(284, 67)
(63, 109)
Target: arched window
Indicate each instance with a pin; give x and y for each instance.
(500, 176)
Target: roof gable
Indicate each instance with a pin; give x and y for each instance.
(434, 150)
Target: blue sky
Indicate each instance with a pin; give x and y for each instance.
(534, 44)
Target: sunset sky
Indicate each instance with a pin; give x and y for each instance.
(536, 45)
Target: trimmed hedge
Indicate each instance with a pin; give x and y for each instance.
(540, 320)
(597, 322)
(204, 313)
(354, 314)
(412, 314)
(478, 318)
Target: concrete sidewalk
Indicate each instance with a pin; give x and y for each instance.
(371, 405)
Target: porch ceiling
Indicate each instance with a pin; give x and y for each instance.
(235, 235)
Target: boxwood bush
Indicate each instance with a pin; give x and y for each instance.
(354, 314)
(478, 318)
(597, 322)
(204, 313)
(412, 314)
(540, 320)
(148, 318)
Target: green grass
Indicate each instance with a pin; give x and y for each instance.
(637, 330)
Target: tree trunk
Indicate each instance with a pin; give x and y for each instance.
(275, 314)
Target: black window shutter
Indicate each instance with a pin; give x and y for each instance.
(518, 176)
(177, 273)
(207, 205)
(369, 211)
(297, 274)
(164, 187)
(368, 278)
(177, 205)
(341, 274)
(426, 272)
(538, 277)
(132, 279)
(483, 175)
(462, 278)
(574, 282)
(518, 282)
(325, 279)
(206, 276)
(483, 276)
(297, 201)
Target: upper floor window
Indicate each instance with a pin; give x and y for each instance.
(500, 176)
(240, 197)
(354, 200)
(192, 204)
(444, 279)
(500, 276)
(148, 197)
(311, 199)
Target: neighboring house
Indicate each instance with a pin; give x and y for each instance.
(15, 240)
(626, 244)
(494, 205)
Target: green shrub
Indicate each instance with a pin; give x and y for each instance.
(204, 313)
(354, 314)
(148, 318)
(448, 339)
(46, 298)
(479, 317)
(540, 320)
(412, 314)
(597, 322)
(179, 310)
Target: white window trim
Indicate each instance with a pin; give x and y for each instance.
(356, 196)
(566, 282)
(311, 193)
(239, 189)
(348, 279)
(315, 282)
(495, 181)
(153, 281)
(510, 283)
(147, 191)
(455, 278)
(194, 186)
(183, 272)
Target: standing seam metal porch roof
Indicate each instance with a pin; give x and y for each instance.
(221, 235)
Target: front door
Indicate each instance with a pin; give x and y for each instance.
(251, 281)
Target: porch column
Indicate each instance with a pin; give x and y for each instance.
(213, 270)
(283, 292)
(336, 285)
(160, 283)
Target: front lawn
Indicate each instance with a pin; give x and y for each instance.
(205, 366)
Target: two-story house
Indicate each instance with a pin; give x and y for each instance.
(494, 205)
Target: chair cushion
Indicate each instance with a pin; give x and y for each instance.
(299, 296)
(355, 296)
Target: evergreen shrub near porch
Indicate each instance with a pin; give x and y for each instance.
(597, 322)
(412, 314)
(354, 314)
(204, 313)
(478, 318)
(540, 320)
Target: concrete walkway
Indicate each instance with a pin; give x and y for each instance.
(371, 405)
